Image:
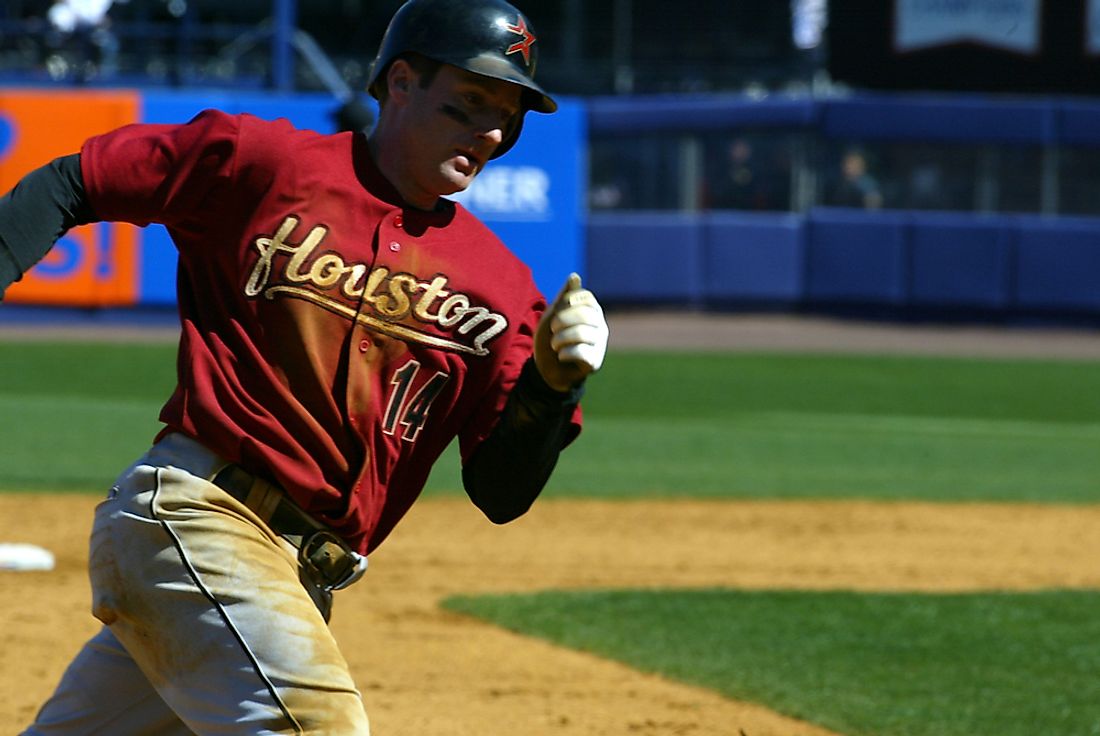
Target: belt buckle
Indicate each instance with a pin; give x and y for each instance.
(329, 561)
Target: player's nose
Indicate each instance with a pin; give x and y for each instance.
(493, 136)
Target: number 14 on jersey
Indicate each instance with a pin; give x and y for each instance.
(408, 411)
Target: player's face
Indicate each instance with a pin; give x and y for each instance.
(453, 127)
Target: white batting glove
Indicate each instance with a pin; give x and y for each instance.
(571, 341)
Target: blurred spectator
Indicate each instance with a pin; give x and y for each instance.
(856, 186)
(609, 185)
(737, 185)
(926, 187)
(606, 196)
(82, 30)
(744, 181)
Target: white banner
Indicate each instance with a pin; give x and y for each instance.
(1004, 24)
(1092, 35)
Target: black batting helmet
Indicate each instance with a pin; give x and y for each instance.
(487, 37)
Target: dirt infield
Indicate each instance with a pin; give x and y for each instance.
(428, 672)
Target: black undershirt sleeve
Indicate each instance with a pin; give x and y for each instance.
(38, 210)
(509, 468)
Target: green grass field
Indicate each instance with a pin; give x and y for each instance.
(791, 426)
(776, 426)
(73, 415)
(737, 426)
(858, 664)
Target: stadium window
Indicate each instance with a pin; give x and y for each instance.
(634, 173)
(1079, 181)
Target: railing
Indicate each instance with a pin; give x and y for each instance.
(943, 152)
(970, 206)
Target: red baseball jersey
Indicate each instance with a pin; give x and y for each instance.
(333, 339)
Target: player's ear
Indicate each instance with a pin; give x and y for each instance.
(400, 77)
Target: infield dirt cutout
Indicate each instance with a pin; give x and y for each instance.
(428, 672)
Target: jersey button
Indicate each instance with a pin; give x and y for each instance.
(398, 220)
(364, 345)
(395, 246)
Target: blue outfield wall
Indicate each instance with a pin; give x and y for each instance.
(1058, 265)
(646, 256)
(745, 258)
(898, 261)
(958, 118)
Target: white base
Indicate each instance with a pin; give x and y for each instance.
(25, 557)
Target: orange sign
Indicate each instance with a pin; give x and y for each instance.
(93, 265)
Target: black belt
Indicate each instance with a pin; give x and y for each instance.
(269, 502)
(325, 558)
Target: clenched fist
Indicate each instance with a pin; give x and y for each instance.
(571, 340)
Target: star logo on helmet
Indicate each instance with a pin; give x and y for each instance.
(523, 46)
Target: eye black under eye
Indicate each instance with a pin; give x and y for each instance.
(453, 112)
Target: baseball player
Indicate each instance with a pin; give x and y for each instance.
(341, 323)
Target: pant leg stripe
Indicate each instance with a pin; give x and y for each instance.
(222, 612)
